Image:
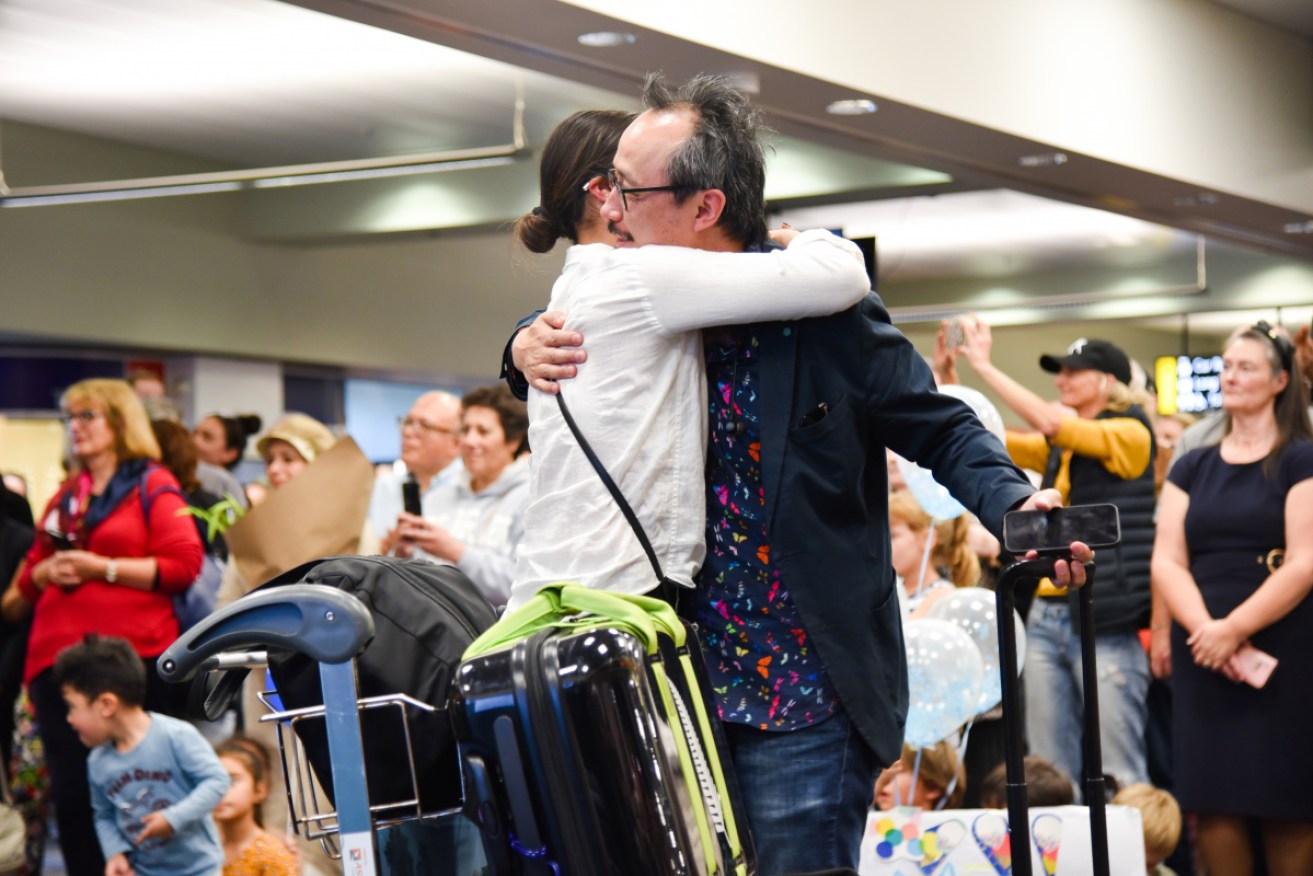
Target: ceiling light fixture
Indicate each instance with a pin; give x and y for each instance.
(1298, 227)
(1043, 159)
(854, 107)
(606, 39)
(272, 177)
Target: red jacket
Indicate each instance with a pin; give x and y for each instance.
(143, 617)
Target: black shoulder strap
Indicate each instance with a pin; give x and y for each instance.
(667, 589)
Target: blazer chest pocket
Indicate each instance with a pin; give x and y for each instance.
(823, 419)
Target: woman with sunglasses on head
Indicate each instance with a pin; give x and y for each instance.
(113, 547)
(1233, 560)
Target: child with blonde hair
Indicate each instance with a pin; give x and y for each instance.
(951, 562)
(1161, 816)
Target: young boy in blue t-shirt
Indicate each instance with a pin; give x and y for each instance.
(154, 779)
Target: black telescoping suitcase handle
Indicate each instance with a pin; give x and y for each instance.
(324, 623)
(1014, 734)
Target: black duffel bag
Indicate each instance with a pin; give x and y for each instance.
(425, 616)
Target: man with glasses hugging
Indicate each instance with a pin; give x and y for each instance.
(430, 447)
(795, 601)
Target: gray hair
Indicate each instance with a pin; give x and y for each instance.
(723, 152)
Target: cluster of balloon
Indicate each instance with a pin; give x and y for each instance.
(933, 496)
(944, 675)
(952, 656)
(973, 610)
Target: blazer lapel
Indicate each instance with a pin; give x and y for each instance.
(779, 351)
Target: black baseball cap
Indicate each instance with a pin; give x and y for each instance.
(1102, 356)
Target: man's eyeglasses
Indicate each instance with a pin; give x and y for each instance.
(83, 417)
(424, 426)
(626, 191)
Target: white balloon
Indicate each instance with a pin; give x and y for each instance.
(983, 407)
(974, 611)
(944, 677)
(932, 496)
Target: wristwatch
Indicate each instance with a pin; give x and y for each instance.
(112, 571)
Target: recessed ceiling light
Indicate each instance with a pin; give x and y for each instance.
(1299, 227)
(606, 39)
(855, 107)
(1043, 159)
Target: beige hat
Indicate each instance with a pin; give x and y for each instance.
(308, 436)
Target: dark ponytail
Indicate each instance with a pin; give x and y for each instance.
(580, 149)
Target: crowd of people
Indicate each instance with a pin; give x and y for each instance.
(744, 394)
(130, 550)
(1216, 514)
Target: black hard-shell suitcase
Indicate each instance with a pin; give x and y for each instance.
(425, 616)
(573, 758)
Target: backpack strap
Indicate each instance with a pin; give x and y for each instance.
(148, 496)
(666, 588)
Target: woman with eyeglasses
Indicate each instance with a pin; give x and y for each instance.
(1233, 560)
(113, 547)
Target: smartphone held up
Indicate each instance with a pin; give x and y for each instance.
(1052, 532)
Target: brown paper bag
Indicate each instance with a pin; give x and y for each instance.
(319, 513)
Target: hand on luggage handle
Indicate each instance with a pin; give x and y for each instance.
(324, 623)
(1032, 569)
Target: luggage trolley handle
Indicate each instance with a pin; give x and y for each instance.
(330, 627)
(323, 623)
(1031, 571)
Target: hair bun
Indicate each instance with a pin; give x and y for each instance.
(250, 423)
(536, 231)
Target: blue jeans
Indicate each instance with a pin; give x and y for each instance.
(1054, 689)
(807, 792)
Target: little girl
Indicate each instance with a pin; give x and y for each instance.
(911, 530)
(248, 850)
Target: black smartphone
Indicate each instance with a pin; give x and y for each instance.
(410, 498)
(1053, 531)
(61, 541)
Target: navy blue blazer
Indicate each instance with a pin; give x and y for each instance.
(827, 490)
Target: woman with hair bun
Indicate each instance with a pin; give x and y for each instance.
(220, 443)
(642, 393)
(222, 440)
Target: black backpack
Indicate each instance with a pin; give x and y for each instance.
(425, 616)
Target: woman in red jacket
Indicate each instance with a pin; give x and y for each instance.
(113, 547)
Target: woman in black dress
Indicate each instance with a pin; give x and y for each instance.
(1234, 561)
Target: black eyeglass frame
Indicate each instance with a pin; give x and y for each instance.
(83, 417)
(625, 191)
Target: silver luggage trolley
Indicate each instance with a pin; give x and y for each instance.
(330, 627)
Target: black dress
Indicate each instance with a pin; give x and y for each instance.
(1241, 751)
